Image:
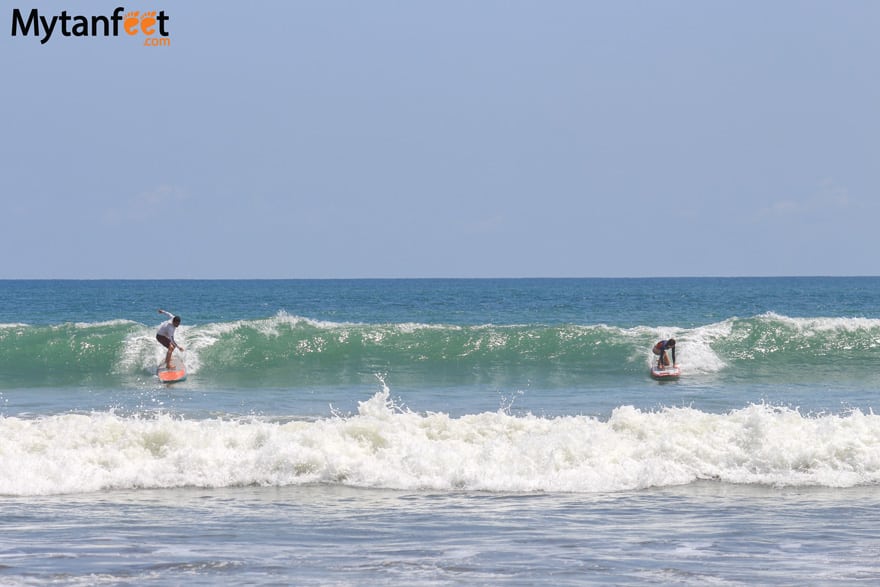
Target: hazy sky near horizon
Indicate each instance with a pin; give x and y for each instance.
(331, 139)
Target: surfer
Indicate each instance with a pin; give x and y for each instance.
(165, 335)
(660, 350)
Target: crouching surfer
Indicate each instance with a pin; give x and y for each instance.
(660, 350)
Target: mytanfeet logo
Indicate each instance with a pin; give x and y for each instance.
(150, 25)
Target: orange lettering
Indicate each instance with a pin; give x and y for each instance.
(148, 23)
(131, 21)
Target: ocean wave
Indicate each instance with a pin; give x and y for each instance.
(385, 445)
(292, 350)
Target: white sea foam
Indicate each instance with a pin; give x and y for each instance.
(693, 345)
(387, 446)
(142, 352)
(824, 324)
(696, 347)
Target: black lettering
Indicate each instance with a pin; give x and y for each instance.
(80, 26)
(48, 27)
(100, 19)
(117, 16)
(64, 20)
(162, 18)
(32, 21)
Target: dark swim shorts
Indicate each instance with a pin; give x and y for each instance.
(163, 340)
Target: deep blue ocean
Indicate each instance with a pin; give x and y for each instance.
(441, 432)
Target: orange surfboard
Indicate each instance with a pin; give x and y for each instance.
(176, 373)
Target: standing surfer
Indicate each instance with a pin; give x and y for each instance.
(165, 335)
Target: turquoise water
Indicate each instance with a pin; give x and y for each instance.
(441, 432)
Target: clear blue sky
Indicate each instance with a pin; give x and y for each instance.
(316, 139)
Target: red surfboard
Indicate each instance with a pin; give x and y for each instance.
(665, 372)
